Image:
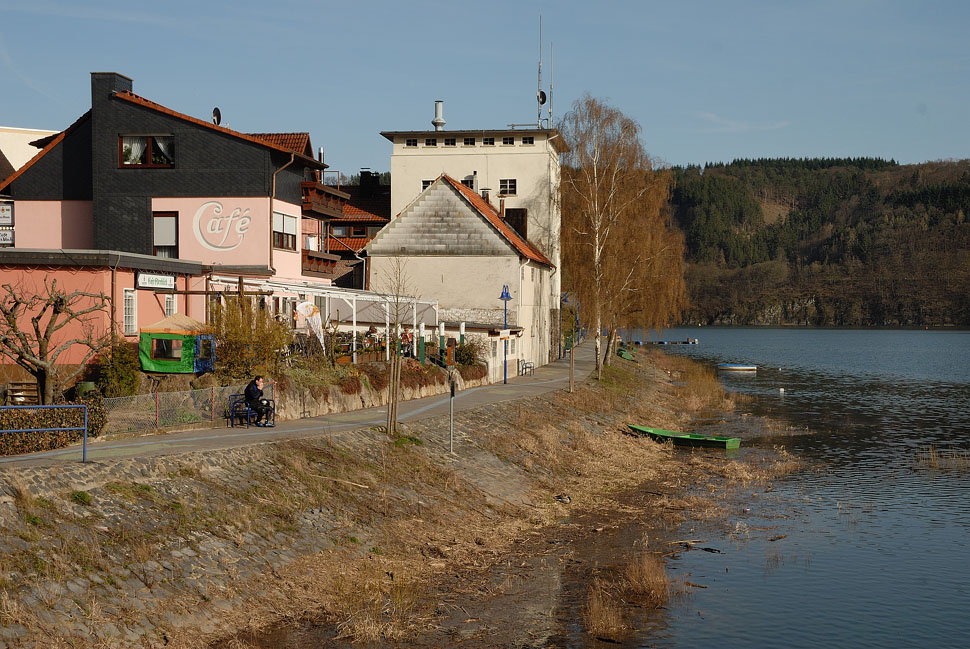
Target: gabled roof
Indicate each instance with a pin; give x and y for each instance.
(296, 142)
(51, 142)
(524, 246)
(141, 101)
(449, 219)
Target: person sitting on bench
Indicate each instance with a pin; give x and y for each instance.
(256, 402)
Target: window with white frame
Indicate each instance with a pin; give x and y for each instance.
(488, 141)
(450, 141)
(506, 186)
(469, 182)
(431, 141)
(165, 234)
(494, 348)
(512, 346)
(508, 140)
(411, 142)
(528, 139)
(425, 184)
(130, 321)
(469, 141)
(284, 231)
(171, 305)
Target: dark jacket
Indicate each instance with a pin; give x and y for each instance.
(253, 394)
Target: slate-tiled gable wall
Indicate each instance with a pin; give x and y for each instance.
(207, 164)
(64, 173)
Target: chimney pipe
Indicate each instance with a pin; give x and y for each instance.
(439, 121)
(501, 208)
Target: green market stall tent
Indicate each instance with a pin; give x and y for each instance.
(176, 345)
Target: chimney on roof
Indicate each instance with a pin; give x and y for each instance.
(501, 208)
(369, 180)
(439, 121)
(105, 83)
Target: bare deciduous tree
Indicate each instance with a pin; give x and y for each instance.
(395, 284)
(31, 322)
(619, 255)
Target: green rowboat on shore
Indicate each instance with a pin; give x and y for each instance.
(686, 439)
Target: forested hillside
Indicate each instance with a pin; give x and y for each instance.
(827, 242)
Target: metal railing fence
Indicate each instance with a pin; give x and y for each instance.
(83, 427)
(169, 409)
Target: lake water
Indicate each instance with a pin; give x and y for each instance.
(876, 548)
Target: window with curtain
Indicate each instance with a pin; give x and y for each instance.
(284, 231)
(165, 239)
(171, 305)
(146, 150)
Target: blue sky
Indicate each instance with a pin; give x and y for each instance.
(706, 80)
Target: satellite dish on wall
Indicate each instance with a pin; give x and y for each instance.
(541, 96)
(216, 116)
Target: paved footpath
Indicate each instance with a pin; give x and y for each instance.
(554, 376)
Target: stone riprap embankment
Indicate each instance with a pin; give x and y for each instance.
(149, 552)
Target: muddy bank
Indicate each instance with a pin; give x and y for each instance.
(373, 539)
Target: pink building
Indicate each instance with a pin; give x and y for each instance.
(157, 209)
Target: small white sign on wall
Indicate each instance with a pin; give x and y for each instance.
(6, 237)
(148, 280)
(6, 214)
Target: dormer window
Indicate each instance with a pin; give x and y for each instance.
(146, 151)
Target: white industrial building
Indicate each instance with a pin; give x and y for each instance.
(495, 202)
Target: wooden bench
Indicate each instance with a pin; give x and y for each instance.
(239, 411)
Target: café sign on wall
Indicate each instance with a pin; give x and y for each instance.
(150, 281)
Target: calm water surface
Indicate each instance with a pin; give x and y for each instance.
(876, 550)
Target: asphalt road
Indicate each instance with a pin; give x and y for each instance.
(554, 376)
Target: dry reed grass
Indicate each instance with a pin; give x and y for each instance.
(945, 460)
(646, 580)
(380, 601)
(603, 613)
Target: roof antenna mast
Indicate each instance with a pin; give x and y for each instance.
(539, 85)
(552, 76)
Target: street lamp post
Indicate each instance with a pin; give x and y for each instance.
(562, 300)
(505, 297)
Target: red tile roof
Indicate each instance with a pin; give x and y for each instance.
(53, 141)
(141, 101)
(355, 213)
(525, 248)
(296, 142)
(348, 243)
